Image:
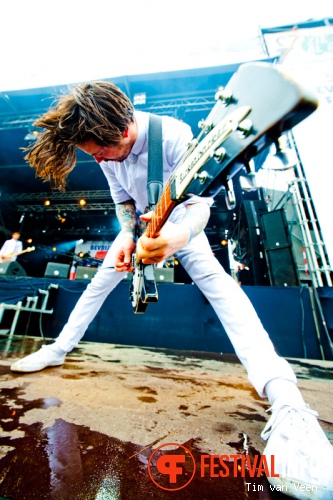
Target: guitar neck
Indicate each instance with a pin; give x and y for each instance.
(161, 213)
(29, 249)
(23, 251)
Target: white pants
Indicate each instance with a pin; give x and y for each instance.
(235, 311)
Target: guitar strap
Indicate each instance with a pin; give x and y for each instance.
(154, 190)
(155, 161)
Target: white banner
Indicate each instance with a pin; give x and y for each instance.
(93, 249)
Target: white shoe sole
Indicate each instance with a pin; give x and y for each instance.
(29, 369)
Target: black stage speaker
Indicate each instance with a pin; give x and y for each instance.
(12, 269)
(281, 263)
(85, 273)
(55, 270)
(164, 274)
(251, 250)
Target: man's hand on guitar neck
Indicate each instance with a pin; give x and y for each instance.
(172, 237)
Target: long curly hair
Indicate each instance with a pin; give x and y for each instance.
(97, 111)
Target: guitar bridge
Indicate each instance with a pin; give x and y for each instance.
(149, 288)
(143, 289)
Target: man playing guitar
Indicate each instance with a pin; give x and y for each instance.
(11, 248)
(99, 119)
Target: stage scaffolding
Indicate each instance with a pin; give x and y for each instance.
(299, 48)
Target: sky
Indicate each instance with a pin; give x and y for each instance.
(47, 42)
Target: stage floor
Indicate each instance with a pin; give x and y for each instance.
(87, 430)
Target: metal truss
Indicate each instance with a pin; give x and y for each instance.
(67, 195)
(21, 121)
(169, 105)
(56, 199)
(82, 232)
(70, 207)
(314, 245)
(172, 105)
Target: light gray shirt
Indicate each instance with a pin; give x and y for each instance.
(11, 246)
(128, 179)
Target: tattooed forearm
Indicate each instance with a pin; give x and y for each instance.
(196, 218)
(141, 225)
(127, 216)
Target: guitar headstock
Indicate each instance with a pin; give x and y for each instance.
(272, 102)
(30, 249)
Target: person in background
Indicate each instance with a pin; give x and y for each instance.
(11, 248)
(243, 275)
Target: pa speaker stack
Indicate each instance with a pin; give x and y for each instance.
(278, 249)
(251, 241)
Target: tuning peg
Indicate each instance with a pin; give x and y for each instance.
(202, 177)
(205, 125)
(245, 128)
(193, 144)
(224, 95)
(219, 155)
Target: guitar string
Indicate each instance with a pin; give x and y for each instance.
(192, 146)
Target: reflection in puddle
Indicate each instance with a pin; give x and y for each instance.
(72, 462)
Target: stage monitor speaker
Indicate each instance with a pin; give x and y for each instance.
(85, 273)
(12, 269)
(280, 260)
(250, 244)
(164, 274)
(55, 270)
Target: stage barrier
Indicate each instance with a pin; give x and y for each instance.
(182, 318)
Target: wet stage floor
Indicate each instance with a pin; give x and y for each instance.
(91, 428)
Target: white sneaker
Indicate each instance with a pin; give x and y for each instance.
(303, 456)
(46, 356)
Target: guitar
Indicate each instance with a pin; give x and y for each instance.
(259, 103)
(6, 258)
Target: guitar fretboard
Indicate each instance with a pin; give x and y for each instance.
(162, 211)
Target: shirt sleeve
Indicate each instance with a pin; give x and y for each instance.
(199, 199)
